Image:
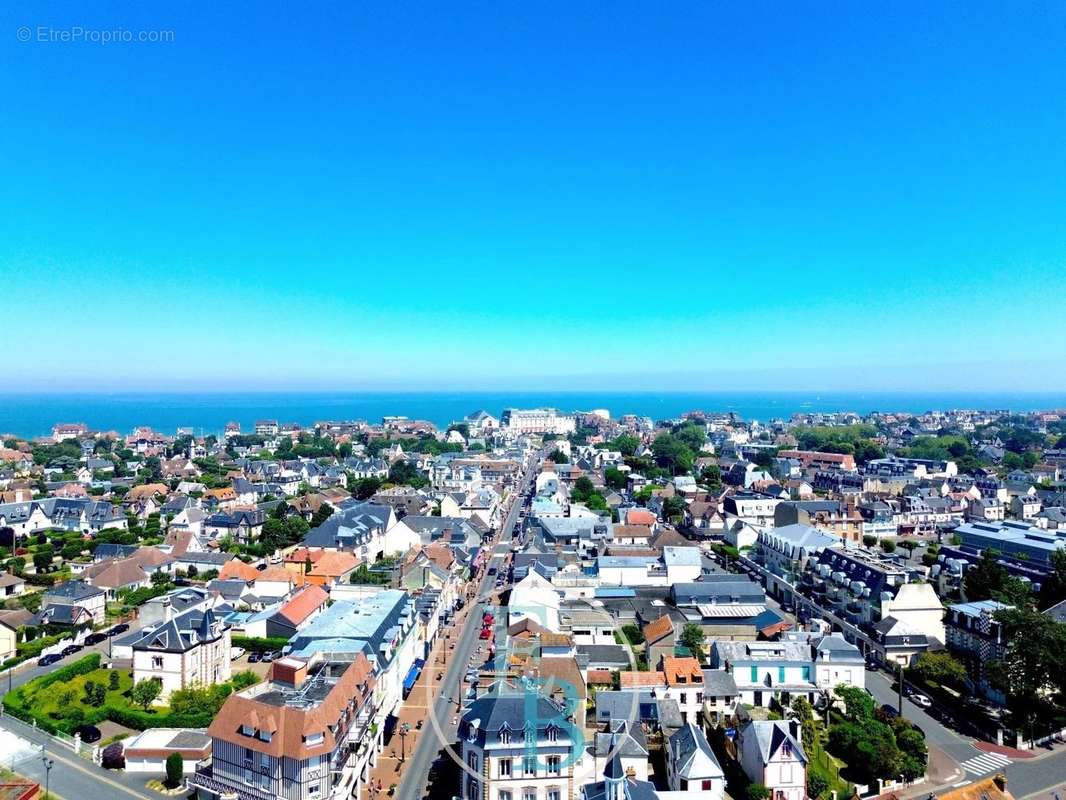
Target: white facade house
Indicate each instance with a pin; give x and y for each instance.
(536, 598)
(537, 420)
(691, 766)
(683, 564)
(191, 649)
(770, 753)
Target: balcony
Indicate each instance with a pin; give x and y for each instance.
(204, 778)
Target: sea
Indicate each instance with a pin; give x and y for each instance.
(30, 415)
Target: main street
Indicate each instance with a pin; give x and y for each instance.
(447, 707)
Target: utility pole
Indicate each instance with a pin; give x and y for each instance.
(48, 764)
(900, 667)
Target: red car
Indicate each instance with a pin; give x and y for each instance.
(488, 619)
(486, 633)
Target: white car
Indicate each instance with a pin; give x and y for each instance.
(921, 700)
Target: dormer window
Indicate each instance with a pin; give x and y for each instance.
(505, 736)
(314, 739)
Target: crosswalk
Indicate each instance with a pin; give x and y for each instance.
(984, 763)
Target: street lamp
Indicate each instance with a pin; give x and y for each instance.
(48, 764)
(404, 730)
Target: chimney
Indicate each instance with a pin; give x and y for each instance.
(168, 610)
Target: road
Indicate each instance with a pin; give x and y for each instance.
(72, 777)
(416, 771)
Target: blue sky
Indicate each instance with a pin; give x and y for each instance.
(535, 195)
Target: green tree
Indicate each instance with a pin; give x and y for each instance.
(817, 785)
(693, 637)
(1032, 663)
(175, 770)
(145, 692)
(804, 712)
(1053, 587)
(325, 511)
(558, 456)
(940, 667)
(756, 791)
(626, 444)
(673, 507)
(988, 579)
(112, 680)
(711, 477)
(888, 545)
(615, 478)
(671, 453)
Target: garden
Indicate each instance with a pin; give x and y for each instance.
(84, 693)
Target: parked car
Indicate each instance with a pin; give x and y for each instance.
(95, 638)
(255, 657)
(89, 733)
(492, 570)
(71, 649)
(921, 700)
(122, 627)
(486, 633)
(48, 660)
(235, 653)
(274, 655)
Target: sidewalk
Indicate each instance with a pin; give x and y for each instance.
(415, 709)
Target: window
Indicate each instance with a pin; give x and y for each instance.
(505, 768)
(529, 793)
(314, 739)
(554, 793)
(699, 697)
(473, 790)
(754, 674)
(503, 795)
(554, 763)
(505, 736)
(708, 785)
(247, 730)
(553, 734)
(529, 765)
(471, 760)
(780, 674)
(157, 662)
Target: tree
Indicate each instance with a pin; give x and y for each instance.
(557, 456)
(145, 692)
(940, 667)
(325, 511)
(694, 639)
(888, 545)
(95, 694)
(711, 477)
(857, 703)
(671, 453)
(160, 579)
(673, 507)
(817, 785)
(1032, 664)
(615, 478)
(869, 540)
(364, 488)
(692, 435)
(626, 444)
(175, 770)
(756, 791)
(804, 712)
(112, 680)
(1053, 587)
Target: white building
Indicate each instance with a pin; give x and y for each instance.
(770, 753)
(191, 649)
(691, 766)
(537, 420)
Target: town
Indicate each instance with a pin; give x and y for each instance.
(539, 605)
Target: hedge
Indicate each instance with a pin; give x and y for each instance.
(259, 644)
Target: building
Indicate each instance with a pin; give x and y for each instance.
(691, 765)
(512, 754)
(307, 733)
(65, 597)
(147, 752)
(186, 650)
(765, 671)
(537, 421)
(770, 754)
(812, 459)
(977, 639)
(784, 552)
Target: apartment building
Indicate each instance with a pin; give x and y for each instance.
(537, 420)
(306, 733)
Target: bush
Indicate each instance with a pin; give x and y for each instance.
(175, 770)
(256, 644)
(869, 540)
(888, 545)
(817, 785)
(113, 756)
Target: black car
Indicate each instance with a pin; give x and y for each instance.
(122, 627)
(255, 657)
(71, 649)
(95, 638)
(492, 570)
(49, 659)
(89, 733)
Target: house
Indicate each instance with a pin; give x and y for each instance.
(307, 733)
(242, 525)
(684, 684)
(770, 754)
(147, 752)
(517, 745)
(184, 650)
(296, 613)
(660, 639)
(765, 671)
(691, 765)
(73, 600)
(978, 639)
(9, 639)
(364, 529)
(11, 585)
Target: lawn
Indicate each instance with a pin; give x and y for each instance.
(56, 700)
